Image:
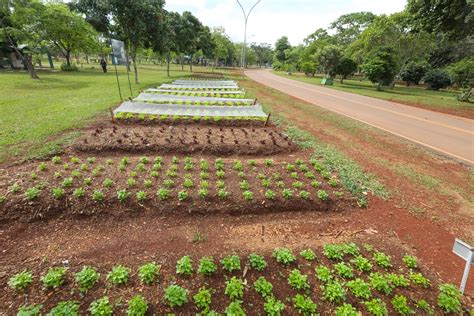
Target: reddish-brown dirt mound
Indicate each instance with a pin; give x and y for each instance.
(184, 139)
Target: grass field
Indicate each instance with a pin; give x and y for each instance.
(443, 101)
(36, 112)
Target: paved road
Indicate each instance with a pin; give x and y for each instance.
(447, 134)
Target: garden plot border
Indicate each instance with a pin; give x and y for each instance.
(155, 97)
(191, 110)
(190, 86)
(205, 83)
(240, 92)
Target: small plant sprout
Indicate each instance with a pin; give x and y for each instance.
(380, 283)
(270, 194)
(101, 307)
(410, 261)
(147, 183)
(141, 196)
(263, 287)
(284, 256)
(32, 193)
(344, 270)
(184, 266)
(123, 195)
(42, 166)
(235, 308)
(400, 305)
(207, 266)
(98, 196)
(234, 288)
(203, 299)
(183, 195)
(419, 279)
(223, 193)
(248, 195)
(108, 183)
(87, 181)
(75, 160)
(308, 254)
(67, 182)
(137, 306)
(231, 263)
(257, 262)
(315, 184)
(305, 195)
(323, 195)
(362, 264)
(376, 307)
(54, 278)
(334, 292)
(148, 272)
(58, 193)
(21, 281)
(287, 194)
(163, 194)
(323, 273)
(268, 162)
(304, 305)
(118, 275)
(29, 310)
(176, 295)
(56, 160)
(297, 280)
(359, 289)
(79, 193)
(449, 298)
(86, 278)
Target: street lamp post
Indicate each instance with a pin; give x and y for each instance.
(246, 18)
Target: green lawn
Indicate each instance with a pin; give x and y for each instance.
(37, 116)
(444, 101)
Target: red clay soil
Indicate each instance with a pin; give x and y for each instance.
(108, 138)
(427, 219)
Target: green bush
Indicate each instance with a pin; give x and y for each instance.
(376, 307)
(235, 309)
(207, 266)
(304, 305)
(203, 299)
(437, 79)
(334, 292)
(29, 310)
(66, 67)
(263, 287)
(231, 263)
(449, 298)
(297, 280)
(184, 266)
(176, 295)
(347, 310)
(284, 256)
(257, 262)
(234, 288)
(273, 307)
(118, 275)
(412, 72)
(400, 305)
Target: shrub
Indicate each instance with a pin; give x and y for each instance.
(449, 298)
(137, 306)
(308, 254)
(376, 307)
(462, 72)
(207, 266)
(203, 299)
(380, 283)
(69, 68)
(29, 310)
(184, 266)
(398, 280)
(86, 278)
(70, 308)
(257, 262)
(20, 281)
(54, 277)
(101, 307)
(399, 303)
(234, 288)
(297, 280)
(273, 307)
(148, 272)
(283, 255)
(347, 310)
(235, 309)
(437, 79)
(176, 295)
(118, 275)
(413, 72)
(362, 264)
(309, 68)
(263, 287)
(231, 263)
(419, 279)
(380, 66)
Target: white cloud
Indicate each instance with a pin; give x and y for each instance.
(272, 19)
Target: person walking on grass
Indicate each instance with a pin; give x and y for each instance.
(103, 63)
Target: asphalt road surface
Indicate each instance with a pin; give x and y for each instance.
(446, 134)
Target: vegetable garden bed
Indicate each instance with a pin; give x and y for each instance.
(145, 185)
(184, 139)
(339, 279)
(174, 87)
(209, 94)
(191, 100)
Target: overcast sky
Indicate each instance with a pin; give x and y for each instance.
(272, 19)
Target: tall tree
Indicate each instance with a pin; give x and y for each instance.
(381, 66)
(19, 21)
(328, 58)
(281, 45)
(263, 51)
(66, 30)
(349, 26)
(453, 17)
(222, 43)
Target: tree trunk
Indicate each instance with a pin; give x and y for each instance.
(168, 63)
(68, 58)
(182, 62)
(87, 59)
(135, 68)
(29, 65)
(191, 63)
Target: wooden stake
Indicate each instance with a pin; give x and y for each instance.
(268, 119)
(112, 114)
(255, 102)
